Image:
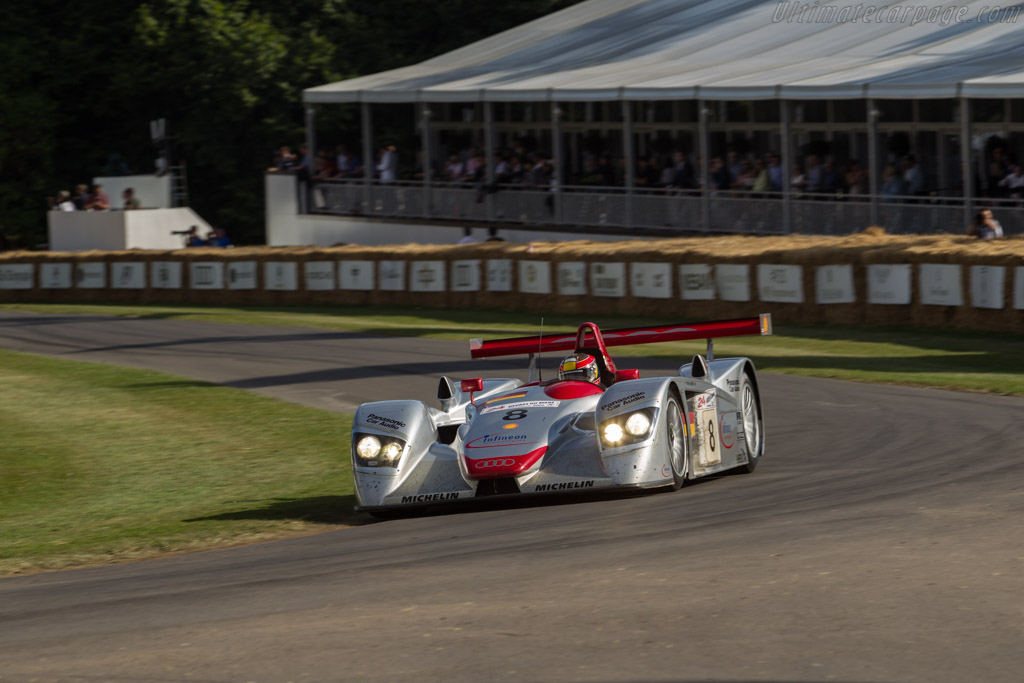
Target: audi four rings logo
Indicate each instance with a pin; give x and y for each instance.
(500, 462)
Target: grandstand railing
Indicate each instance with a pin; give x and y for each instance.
(653, 210)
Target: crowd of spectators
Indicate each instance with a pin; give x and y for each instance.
(97, 200)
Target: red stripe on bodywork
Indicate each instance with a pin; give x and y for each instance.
(503, 466)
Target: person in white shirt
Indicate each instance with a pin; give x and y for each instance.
(64, 202)
(388, 165)
(1014, 182)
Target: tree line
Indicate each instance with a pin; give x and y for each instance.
(80, 84)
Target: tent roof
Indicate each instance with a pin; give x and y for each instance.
(718, 49)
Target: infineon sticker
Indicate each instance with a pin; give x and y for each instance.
(520, 404)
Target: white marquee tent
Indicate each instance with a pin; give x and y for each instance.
(722, 50)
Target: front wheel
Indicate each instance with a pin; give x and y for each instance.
(753, 423)
(676, 441)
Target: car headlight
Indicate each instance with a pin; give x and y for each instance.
(372, 450)
(623, 430)
(612, 432)
(638, 424)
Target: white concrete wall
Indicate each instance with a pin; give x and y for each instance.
(114, 230)
(153, 191)
(286, 227)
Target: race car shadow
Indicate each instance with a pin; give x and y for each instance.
(317, 509)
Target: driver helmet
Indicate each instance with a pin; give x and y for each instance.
(579, 366)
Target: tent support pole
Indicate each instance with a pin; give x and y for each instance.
(873, 168)
(368, 163)
(630, 152)
(490, 142)
(786, 160)
(702, 177)
(305, 193)
(428, 164)
(556, 143)
(966, 168)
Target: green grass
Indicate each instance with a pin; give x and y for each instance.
(101, 463)
(965, 361)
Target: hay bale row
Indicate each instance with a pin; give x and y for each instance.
(859, 251)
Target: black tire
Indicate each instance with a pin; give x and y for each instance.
(753, 423)
(676, 443)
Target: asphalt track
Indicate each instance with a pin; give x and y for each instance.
(880, 540)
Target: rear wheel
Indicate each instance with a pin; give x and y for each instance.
(676, 441)
(753, 424)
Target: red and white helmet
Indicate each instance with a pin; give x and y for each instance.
(580, 366)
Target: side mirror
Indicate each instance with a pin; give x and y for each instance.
(623, 375)
(468, 386)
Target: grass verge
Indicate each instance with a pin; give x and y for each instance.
(101, 463)
(966, 361)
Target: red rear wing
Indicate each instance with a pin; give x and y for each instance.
(761, 325)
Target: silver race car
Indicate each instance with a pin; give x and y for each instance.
(594, 427)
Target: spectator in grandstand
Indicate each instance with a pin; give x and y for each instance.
(454, 169)
(735, 164)
(646, 177)
(303, 163)
(719, 176)
(798, 181)
(605, 171)
(590, 175)
(815, 174)
(683, 177)
(774, 171)
(502, 169)
(913, 179)
(81, 197)
(98, 200)
(475, 165)
(62, 203)
(467, 237)
(745, 177)
(348, 165)
(387, 165)
(985, 226)
(892, 184)
(131, 202)
(284, 160)
(192, 238)
(762, 180)
(540, 171)
(832, 180)
(856, 178)
(1014, 183)
(997, 171)
(218, 238)
(517, 171)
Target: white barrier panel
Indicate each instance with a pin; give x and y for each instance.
(651, 280)
(733, 282)
(987, 286)
(834, 285)
(356, 275)
(572, 278)
(392, 276)
(165, 274)
(1018, 288)
(608, 279)
(940, 284)
(242, 275)
(91, 275)
(780, 284)
(466, 275)
(499, 275)
(127, 275)
(889, 283)
(280, 276)
(427, 276)
(206, 275)
(55, 275)
(320, 275)
(17, 276)
(697, 281)
(535, 277)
